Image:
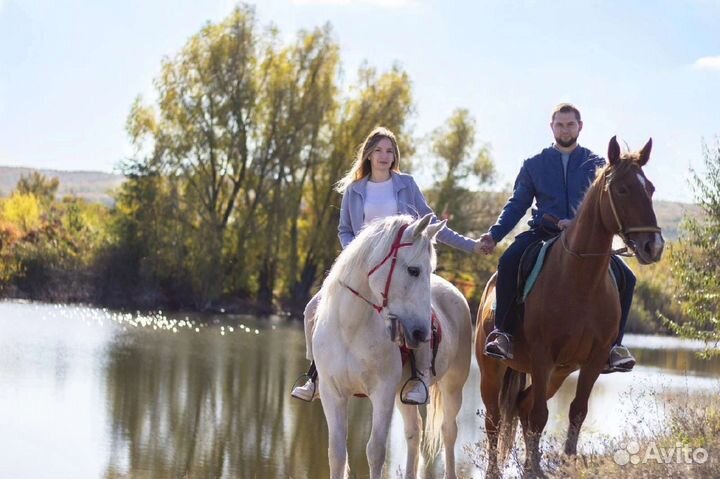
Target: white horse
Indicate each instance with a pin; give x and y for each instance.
(383, 283)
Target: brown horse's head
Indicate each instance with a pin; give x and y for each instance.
(626, 202)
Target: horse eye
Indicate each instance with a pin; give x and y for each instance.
(622, 191)
(414, 271)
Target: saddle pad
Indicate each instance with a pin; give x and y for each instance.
(535, 272)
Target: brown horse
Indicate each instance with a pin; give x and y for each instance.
(572, 315)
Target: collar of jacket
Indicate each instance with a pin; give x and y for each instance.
(360, 186)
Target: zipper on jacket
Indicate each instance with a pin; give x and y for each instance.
(567, 193)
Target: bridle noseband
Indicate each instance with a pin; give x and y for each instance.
(392, 255)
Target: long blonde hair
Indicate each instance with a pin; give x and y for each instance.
(361, 167)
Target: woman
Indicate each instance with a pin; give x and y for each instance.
(375, 188)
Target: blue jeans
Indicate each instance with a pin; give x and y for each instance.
(506, 285)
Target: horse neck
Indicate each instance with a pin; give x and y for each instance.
(589, 235)
(349, 311)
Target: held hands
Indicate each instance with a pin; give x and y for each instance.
(485, 245)
(562, 224)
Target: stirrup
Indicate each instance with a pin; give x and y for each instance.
(410, 402)
(315, 394)
(414, 377)
(499, 353)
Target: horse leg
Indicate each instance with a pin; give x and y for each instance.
(491, 378)
(450, 400)
(335, 409)
(538, 415)
(382, 409)
(579, 406)
(527, 399)
(411, 420)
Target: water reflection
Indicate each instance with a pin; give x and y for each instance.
(206, 405)
(212, 401)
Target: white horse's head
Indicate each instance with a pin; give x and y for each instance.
(392, 260)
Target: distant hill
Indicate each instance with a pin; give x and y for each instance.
(97, 186)
(670, 214)
(91, 185)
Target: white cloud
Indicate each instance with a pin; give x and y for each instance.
(707, 63)
(376, 3)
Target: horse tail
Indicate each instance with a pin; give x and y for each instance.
(432, 435)
(513, 383)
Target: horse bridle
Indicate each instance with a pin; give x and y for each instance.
(392, 255)
(630, 245)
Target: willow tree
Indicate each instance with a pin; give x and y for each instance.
(462, 172)
(295, 116)
(198, 140)
(231, 181)
(376, 99)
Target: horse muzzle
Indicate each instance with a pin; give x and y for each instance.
(411, 335)
(649, 249)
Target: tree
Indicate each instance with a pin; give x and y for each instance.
(378, 99)
(459, 167)
(462, 172)
(696, 263)
(230, 184)
(39, 185)
(22, 210)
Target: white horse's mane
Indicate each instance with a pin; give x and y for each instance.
(368, 249)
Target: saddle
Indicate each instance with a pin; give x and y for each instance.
(533, 259)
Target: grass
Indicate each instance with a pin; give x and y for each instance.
(678, 437)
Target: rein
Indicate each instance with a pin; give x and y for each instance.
(392, 255)
(630, 248)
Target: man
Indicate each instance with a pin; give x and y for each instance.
(556, 179)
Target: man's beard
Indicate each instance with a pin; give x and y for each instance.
(566, 144)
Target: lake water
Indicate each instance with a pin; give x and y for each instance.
(89, 393)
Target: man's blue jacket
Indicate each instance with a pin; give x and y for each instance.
(542, 179)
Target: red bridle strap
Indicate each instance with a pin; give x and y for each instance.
(392, 255)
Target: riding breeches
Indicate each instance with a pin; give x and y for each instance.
(506, 285)
(309, 323)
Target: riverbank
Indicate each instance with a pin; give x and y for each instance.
(79, 292)
(83, 289)
(680, 439)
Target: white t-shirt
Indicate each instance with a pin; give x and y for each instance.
(379, 201)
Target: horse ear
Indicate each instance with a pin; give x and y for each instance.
(420, 225)
(613, 151)
(435, 228)
(645, 153)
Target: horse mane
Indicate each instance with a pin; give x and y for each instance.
(368, 249)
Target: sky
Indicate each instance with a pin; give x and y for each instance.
(70, 70)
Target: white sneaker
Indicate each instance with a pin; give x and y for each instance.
(416, 393)
(307, 392)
